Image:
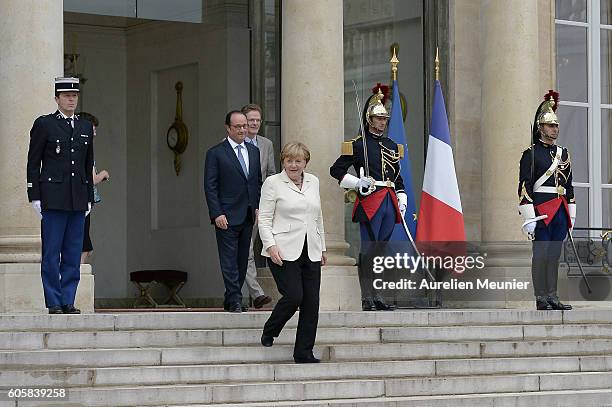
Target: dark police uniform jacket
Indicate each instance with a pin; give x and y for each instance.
(60, 163)
(383, 164)
(558, 184)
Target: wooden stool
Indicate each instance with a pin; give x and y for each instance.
(146, 280)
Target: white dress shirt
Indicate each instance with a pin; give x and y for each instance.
(245, 153)
(66, 117)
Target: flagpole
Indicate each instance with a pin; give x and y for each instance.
(394, 62)
(437, 62)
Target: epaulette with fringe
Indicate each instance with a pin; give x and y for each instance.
(347, 146)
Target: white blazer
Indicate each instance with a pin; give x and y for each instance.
(287, 216)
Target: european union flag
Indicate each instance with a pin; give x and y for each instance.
(397, 134)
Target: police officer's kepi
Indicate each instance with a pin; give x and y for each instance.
(66, 84)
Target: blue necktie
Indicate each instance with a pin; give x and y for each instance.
(241, 159)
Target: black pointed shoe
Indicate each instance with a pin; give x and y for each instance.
(559, 306)
(308, 359)
(70, 309)
(266, 340)
(261, 301)
(383, 306)
(235, 308)
(543, 305)
(56, 310)
(368, 305)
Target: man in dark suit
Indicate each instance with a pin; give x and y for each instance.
(232, 183)
(60, 188)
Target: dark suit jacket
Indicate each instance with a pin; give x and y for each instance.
(228, 191)
(60, 163)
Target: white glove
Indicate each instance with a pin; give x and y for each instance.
(350, 181)
(364, 183)
(572, 214)
(402, 200)
(88, 209)
(37, 208)
(529, 228)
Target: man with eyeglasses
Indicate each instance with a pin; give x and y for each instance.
(253, 114)
(232, 183)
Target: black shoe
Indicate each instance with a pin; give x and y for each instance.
(266, 340)
(382, 306)
(56, 310)
(69, 309)
(261, 301)
(245, 308)
(557, 305)
(308, 359)
(368, 305)
(236, 307)
(543, 305)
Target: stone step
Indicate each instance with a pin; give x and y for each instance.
(234, 337)
(221, 394)
(490, 333)
(436, 350)
(255, 320)
(245, 373)
(519, 399)
(172, 338)
(28, 359)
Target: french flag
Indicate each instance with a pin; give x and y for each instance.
(440, 216)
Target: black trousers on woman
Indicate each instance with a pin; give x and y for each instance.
(298, 282)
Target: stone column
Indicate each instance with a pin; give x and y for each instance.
(31, 51)
(510, 95)
(312, 108)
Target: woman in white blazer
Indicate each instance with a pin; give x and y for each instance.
(291, 230)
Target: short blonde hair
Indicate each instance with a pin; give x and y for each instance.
(293, 150)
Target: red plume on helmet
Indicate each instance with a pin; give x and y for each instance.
(555, 96)
(385, 91)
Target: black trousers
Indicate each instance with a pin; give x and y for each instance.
(233, 245)
(547, 248)
(298, 282)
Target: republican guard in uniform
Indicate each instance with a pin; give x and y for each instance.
(547, 202)
(60, 188)
(380, 199)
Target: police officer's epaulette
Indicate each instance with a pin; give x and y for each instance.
(347, 146)
(529, 148)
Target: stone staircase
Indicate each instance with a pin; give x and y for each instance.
(375, 359)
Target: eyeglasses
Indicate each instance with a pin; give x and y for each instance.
(243, 127)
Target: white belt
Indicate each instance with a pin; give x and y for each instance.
(389, 184)
(551, 190)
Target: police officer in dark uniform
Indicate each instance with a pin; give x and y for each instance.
(380, 200)
(60, 188)
(547, 202)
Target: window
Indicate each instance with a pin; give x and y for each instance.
(584, 77)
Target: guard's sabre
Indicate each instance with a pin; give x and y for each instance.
(571, 238)
(363, 171)
(365, 147)
(431, 277)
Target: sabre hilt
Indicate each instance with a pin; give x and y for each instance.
(366, 191)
